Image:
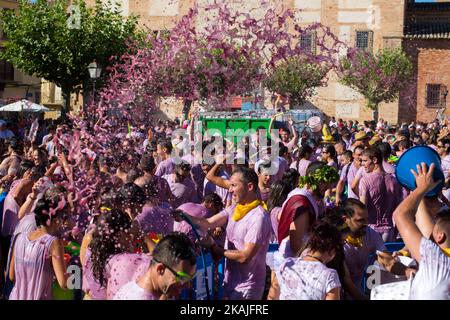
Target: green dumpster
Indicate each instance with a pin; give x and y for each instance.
(223, 121)
(239, 126)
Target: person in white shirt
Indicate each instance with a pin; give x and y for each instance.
(308, 277)
(427, 240)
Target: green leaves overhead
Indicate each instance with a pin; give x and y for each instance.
(41, 41)
(296, 78)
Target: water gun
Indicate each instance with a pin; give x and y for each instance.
(72, 248)
(393, 159)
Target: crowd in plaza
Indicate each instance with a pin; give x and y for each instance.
(329, 201)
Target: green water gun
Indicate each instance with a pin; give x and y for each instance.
(393, 159)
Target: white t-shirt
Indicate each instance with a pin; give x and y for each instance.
(132, 291)
(306, 280)
(432, 281)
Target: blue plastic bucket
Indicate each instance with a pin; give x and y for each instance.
(413, 157)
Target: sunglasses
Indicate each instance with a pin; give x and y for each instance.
(180, 276)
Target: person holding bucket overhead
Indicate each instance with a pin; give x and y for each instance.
(427, 240)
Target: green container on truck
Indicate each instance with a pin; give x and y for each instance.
(223, 121)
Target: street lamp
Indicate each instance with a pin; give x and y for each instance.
(94, 72)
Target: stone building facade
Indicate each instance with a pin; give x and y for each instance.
(369, 24)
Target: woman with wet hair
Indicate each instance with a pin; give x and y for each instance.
(38, 255)
(109, 238)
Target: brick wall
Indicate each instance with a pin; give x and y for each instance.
(431, 59)
(434, 68)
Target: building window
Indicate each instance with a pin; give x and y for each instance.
(308, 42)
(436, 95)
(364, 40)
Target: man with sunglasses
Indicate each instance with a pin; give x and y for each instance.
(172, 266)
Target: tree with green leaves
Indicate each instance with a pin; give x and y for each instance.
(57, 40)
(378, 77)
(296, 78)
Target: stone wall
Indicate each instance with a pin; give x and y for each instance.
(385, 18)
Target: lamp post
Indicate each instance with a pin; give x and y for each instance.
(94, 72)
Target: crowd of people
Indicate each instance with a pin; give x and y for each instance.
(135, 219)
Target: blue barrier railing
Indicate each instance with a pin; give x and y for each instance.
(390, 247)
(2, 202)
(216, 272)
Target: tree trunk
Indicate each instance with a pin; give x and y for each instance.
(186, 108)
(375, 115)
(374, 107)
(66, 102)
